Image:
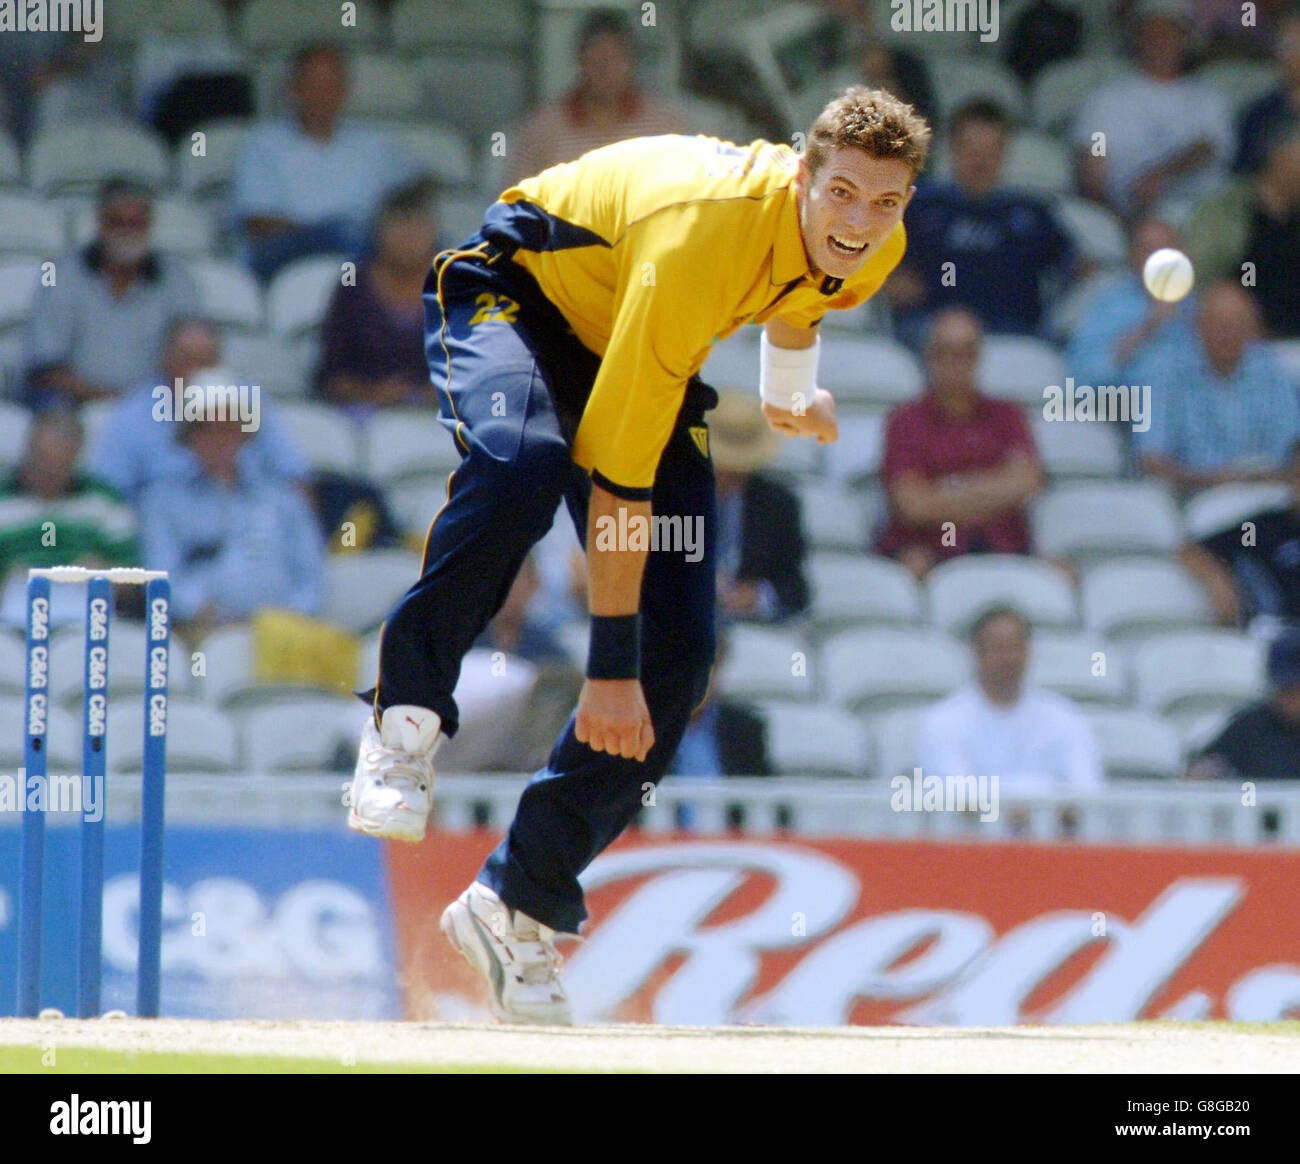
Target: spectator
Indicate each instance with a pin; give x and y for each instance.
(1223, 408)
(1123, 323)
(234, 538)
(1256, 220)
(1042, 34)
(53, 515)
(133, 448)
(372, 338)
(1009, 255)
(1000, 728)
(760, 545)
(606, 106)
(98, 328)
(1262, 119)
(1253, 568)
(1168, 137)
(959, 466)
(1262, 740)
(882, 63)
(352, 514)
(310, 183)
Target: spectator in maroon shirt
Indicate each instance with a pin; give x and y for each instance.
(959, 466)
(372, 337)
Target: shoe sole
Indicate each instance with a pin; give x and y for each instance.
(370, 829)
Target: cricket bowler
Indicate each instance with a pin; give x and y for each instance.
(565, 340)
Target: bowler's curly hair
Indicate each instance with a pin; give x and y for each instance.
(874, 120)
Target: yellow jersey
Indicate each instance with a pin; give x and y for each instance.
(655, 248)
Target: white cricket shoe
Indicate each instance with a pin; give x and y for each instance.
(392, 790)
(516, 955)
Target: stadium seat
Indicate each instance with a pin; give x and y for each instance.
(1097, 234)
(460, 215)
(1198, 671)
(382, 85)
(874, 370)
(716, 119)
(1067, 313)
(882, 668)
(19, 280)
(1059, 91)
(1019, 368)
(279, 366)
(228, 294)
(199, 737)
(323, 728)
(326, 435)
(1223, 506)
(225, 658)
(439, 150)
(181, 226)
(362, 588)
(895, 737)
(415, 501)
(1199, 731)
(1105, 519)
(127, 651)
(300, 294)
(1078, 448)
(417, 26)
(1081, 665)
(798, 458)
(11, 161)
(368, 660)
(815, 741)
(1238, 81)
(960, 590)
(1135, 744)
(1136, 596)
(28, 224)
(1037, 162)
(405, 442)
(856, 456)
(733, 364)
(962, 79)
(284, 25)
(14, 420)
(133, 20)
(851, 589)
(67, 157)
(208, 175)
(834, 517)
(766, 663)
(479, 89)
(13, 663)
(63, 736)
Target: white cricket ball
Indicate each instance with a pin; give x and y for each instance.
(1168, 274)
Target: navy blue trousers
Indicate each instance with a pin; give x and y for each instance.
(512, 380)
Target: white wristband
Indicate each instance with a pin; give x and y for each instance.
(788, 376)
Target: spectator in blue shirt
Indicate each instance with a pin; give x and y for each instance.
(310, 183)
(1122, 323)
(132, 449)
(1263, 119)
(234, 539)
(973, 243)
(1222, 409)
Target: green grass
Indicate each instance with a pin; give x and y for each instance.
(26, 1060)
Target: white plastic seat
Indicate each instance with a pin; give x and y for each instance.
(1223, 506)
(63, 156)
(1105, 519)
(1136, 596)
(461, 214)
(1078, 449)
(199, 737)
(858, 453)
(207, 175)
(881, 668)
(127, 650)
(1135, 744)
(14, 422)
(1035, 161)
(13, 664)
(362, 588)
(959, 80)
(440, 150)
(327, 437)
(481, 89)
(834, 518)
(181, 226)
(383, 85)
(1019, 368)
(896, 737)
(1058, 92)
(18, 283)
(132, 20)
(405, 442)
(1080, 665)
(766, 663)
(1199, 731)
(28, 223)
(733, 364)
(415, 501)
(1198, 671)
(228, 293)
(862, 588)
(278, 366)
(960, 590)
(227, 665)
(306, 733)
(1097, 234)
(417, 25)
(300, 294)
(63, 736)
(815, 741)
(284, 25)
(871, 370)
